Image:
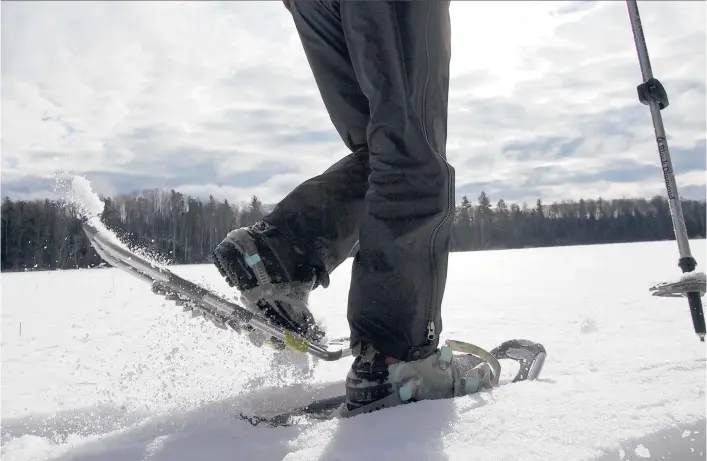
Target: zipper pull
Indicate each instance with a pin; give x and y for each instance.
(431, 331)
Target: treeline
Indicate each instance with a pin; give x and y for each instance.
(46, 235)
(483, 226)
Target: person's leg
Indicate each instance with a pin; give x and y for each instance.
(314, 228)
(401, 53)
(382, 69)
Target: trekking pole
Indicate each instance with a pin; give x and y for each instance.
(652, 94)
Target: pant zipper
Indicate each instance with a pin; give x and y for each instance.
(431, 333)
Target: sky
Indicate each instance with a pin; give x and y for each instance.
(217, 98)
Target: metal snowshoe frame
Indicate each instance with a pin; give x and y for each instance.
(222, 312)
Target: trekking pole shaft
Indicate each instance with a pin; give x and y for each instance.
(698, 317)
(640, 40)
(652, 93)
(663, 149)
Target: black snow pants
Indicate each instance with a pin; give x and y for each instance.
(382, 68)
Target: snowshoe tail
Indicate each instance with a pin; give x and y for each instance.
(320, 409)
(200, 301)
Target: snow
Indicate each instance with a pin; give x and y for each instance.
(84, 196)
(77, 191)
(642, 451)
(96, 367)
(696, 276)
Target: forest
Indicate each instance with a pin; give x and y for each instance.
(45, 234)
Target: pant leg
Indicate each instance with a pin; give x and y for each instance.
(400, 52)
(393, 98)
(321, 215)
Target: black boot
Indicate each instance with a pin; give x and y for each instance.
(375, 381)
(273, 276)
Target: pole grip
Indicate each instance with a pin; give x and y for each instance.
(698, 317)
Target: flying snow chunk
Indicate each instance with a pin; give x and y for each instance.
(642, 451)
(589, 325)
(84, 197)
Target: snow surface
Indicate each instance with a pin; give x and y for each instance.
(96, 367)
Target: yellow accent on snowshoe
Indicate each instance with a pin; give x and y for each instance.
(296, 343)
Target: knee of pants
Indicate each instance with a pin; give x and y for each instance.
(409, 193)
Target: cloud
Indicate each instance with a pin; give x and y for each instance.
(217, 98)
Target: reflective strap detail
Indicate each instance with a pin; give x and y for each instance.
(252, 259)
